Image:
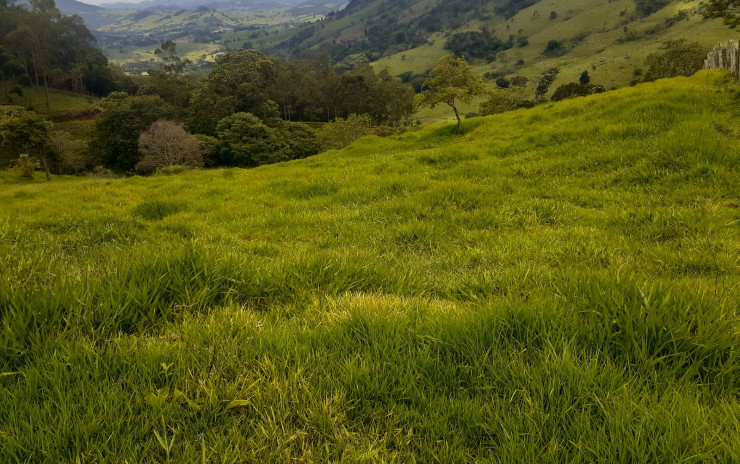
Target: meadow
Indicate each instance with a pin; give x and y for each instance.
(559, 284)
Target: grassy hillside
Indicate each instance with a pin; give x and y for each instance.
(558, 284)
(605, 37)
(62, 105)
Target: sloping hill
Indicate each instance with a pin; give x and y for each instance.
(558, 284)
(595, 35)
(608, 37)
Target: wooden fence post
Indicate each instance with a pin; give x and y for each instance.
(727, 58)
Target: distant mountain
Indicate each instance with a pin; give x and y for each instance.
(94, 16)
(72, 7)
(213, 4)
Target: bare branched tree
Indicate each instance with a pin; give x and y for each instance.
(167, 143)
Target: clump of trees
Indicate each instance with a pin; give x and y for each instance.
(26, 133)
(41, 46)
(676, 58)
(508, 99)
(576, 89)
(728, 10)
(545, 81)
(477, 44)
(648, 7)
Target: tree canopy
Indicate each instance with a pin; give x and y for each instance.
(452, 83)
(728, 10)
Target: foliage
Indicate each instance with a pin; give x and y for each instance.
(502, 100)
(38, 42)
(545, 81)
(120, 124)
(648, 7)
(343, 132)
(26, 165)
(554, 48)
(172, 88)
(169, 61)
(25, 132)
(585, 78)
(476, 44)
(678, 58)
(302, 141)
(245, 141)
(510, 8)
(238, 83)
(167, 144)
(575, 89)
(452, 82)
(728, 10)
(559, 285)
(72, 154)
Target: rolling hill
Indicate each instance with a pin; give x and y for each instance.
(557, 284)
(609, 38)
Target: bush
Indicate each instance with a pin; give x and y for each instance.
(245, 141)
(475, 44)
(102, 173)
(503, 100)
(342, 132)
(302, 141)
(648, 7)
(574, 89)
(545, 81)
(73, 155)
(554, 48)
(26, 165)
(678, 58)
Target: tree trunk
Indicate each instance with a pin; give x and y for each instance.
(46, 88)
(459, 121)
(45, 164)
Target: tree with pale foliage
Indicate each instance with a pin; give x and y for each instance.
(452, 83)
(166, 143)
(343, 132)
(728, 10)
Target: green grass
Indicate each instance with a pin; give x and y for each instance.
(62, 105)
(558, 284)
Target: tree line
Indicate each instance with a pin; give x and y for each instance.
(39, 45)
(248, 109)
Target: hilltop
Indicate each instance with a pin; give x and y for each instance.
(556, 284)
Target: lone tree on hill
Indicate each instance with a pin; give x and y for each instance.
(452, 83)
(728, 10)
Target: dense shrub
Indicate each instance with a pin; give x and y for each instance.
(677, 58)
(575, 89)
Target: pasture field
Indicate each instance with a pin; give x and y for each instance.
(560, 284)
